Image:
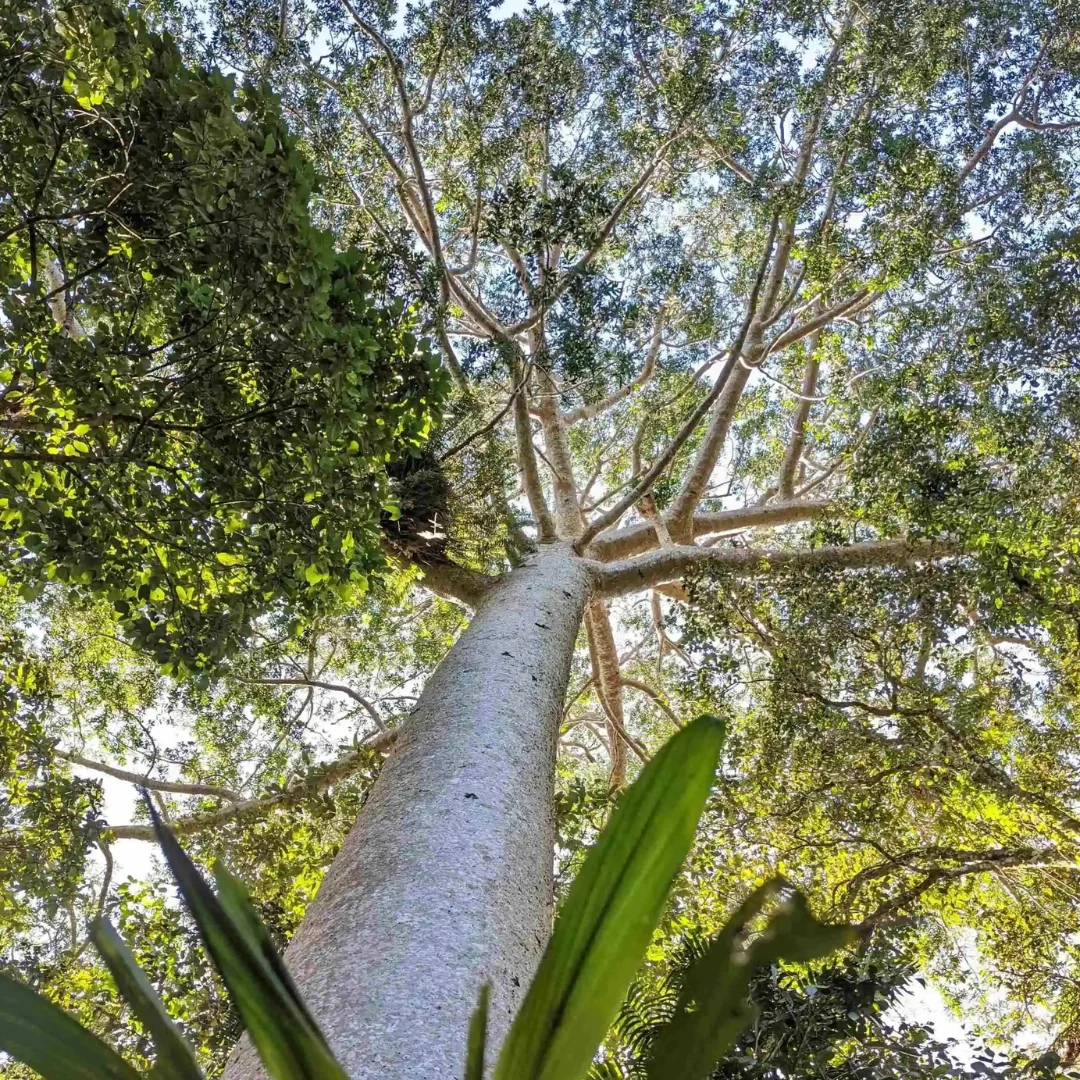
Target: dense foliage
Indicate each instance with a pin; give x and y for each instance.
(200, 393)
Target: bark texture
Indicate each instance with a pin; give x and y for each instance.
(446, 879)
(608, 681)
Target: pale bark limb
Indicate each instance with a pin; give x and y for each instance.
(785, 485)
(729, 162)
(569, 521)
(783, 306)
(589, 412)
(601, 461)
(106, 880)
(493, 423)
(644, 485)
(414, 214)
(856, 302)
(317, 780)
(586, 260)
(573, 695)
(639, 538)
(1038, 125)
(340, 688)
(520, 269)
(798, 181)
(286, 731)
(57, 302)
(605, 664)
(647, 504)
(673, 589)
(697, 476)
(365, 125)
(446, 579)
(994, 774)
(668, 564)
(1000, 125)
(916, 860)
(735, 376)
(474, 246)
(649, 692)
(1030, 861)
(712, 445)
(528, 468)
(449, 353)
(409, 139)
(210, 790)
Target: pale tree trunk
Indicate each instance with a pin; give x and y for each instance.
(446, 879)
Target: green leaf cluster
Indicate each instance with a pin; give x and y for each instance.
(200, 392)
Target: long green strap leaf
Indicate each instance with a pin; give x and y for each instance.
(475, 1048)
(613, 907)
(289, 1044)
(175, 1058)
(37, 1033)
(236, 901)
(714, 1007)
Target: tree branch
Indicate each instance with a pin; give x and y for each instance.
(644, 485)
(316, 781)
(639, 538)
(697, 476)
(668, 564)
(210, 790)
(597, 246)
(447, 579)
(589, 412)
(649, 692)
(1000, 125)
(338, 687)
(605, 668)
(526, 453)
(785, 485)
(1021, 859)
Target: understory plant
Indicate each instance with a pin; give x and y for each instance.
(599, 940)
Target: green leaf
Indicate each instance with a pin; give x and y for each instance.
(34, 1031)
(284, 1034)
(226, 559)
(234, 898)
(477, 1043)
(613, 907)
(269, 145)
(713, 1006)
(175, 1058)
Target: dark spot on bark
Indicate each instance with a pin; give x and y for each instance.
(534, 679)
(510, 654)
(469, 795)
(516, 981)
(543, 626)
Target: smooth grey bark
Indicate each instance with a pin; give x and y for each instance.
(446, 879)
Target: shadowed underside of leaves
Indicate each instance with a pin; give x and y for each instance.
(714, 1006)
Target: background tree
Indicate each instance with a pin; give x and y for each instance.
(762, 326)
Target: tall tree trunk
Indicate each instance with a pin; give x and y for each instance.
(446, 879)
